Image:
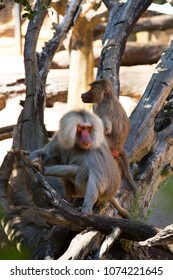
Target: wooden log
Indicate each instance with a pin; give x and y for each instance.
(160, 22)
(138, 53)
(147, 23)
(135, 53)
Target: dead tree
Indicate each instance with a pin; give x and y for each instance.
(34, 216)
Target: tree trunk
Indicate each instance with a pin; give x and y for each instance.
(81, 63)
(31, 119)
(122, 17)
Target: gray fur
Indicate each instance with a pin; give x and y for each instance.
(94, 173)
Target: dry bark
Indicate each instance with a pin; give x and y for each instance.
(164, 236)
(143, 135)
(81, 245)
(122, 17)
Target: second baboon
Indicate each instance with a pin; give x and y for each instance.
(115, 120)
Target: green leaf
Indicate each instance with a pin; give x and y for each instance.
(30, 16)
(25, 15)
(25, 2)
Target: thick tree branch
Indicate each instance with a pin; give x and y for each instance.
(52, 199)
(122, 19)
(59, 212)
(164, 236)
(32, 115)
(142, 135)
(110, 3)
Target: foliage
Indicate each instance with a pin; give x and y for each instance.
(28, 8)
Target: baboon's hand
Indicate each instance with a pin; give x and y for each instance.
(38, 163)
(37, 159)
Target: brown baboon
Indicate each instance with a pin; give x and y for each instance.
(86, 160)
(115, 121)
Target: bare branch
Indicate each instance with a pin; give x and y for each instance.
(67, 213)
(164, 236)
(110, 239)
(81, 244)
(59, 35)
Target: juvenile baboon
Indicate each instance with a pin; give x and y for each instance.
(86, 160)
(115, 120)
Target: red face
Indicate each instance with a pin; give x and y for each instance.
(83, 137)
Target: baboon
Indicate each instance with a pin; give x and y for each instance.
(115, 121)
(86, 160)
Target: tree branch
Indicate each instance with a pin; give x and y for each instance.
(142, 135)
(122, 18)
(66, 215)
(61, 31)
(32, 115)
